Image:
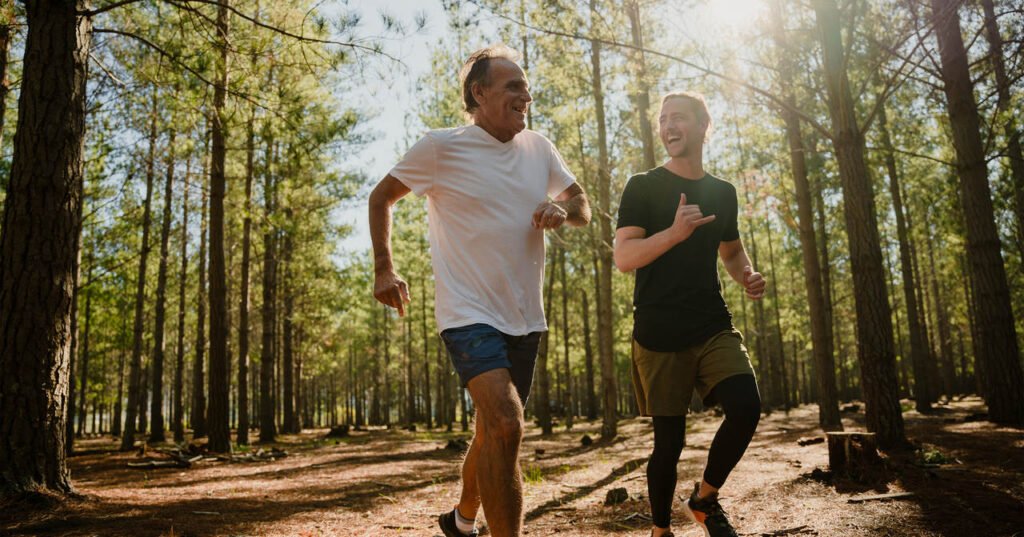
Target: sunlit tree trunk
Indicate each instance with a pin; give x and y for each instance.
(157, 402)
(875, 347)
(242, 434)
(609, 425)
(268, 428)
(135, 378)
(997, 338)
(177, 397)
(642, 98)
(543, 374)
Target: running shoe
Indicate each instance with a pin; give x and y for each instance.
(447, 523)
(708, 514)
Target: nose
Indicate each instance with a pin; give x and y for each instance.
(528, 98)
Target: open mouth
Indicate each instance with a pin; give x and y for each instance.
(673, 139)
(520, 109)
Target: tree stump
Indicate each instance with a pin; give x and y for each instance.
(852, 453)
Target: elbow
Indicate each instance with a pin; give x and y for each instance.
(620, 262)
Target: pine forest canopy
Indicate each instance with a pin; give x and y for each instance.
(177, 175)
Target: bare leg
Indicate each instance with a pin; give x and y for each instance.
(469, 501)
(499, 418)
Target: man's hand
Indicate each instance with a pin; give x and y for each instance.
(754, 283)
(391, 290)
(688, 218)
(548, 215)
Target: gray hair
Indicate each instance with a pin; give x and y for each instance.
(477, 70)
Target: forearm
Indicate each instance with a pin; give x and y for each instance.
(632, 254)
(577, 210)
(735, 265)
(380, 233)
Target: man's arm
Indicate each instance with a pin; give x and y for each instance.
(571, 207)
(738, 265)
(633, 249)
(388, 287)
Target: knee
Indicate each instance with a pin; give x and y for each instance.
(505, 428)
(747, 414)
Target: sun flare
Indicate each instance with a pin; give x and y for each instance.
(736, 14)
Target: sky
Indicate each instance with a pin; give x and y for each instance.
(389, 97)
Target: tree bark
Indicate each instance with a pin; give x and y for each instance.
(219, 430)
(875, 347)
(38, 253)
(198, 367)
(287, 325)
(543, 400)
(84, 375)
(135, 391)
(178, 418)
(268, 429)
(918, 352)
(567, 401)
(588, 356)
(824, 365)
(609, 425)
(242, 435)
(997, 337)
(156, 411)
(1010, 129)
(642, 98)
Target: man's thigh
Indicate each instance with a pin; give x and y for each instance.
(722, 356)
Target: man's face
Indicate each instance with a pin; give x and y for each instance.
(681, 131)
(505, 101)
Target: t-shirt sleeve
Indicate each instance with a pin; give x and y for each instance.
(730, 231)
(418, 167)
(559, 175)
(633, 210)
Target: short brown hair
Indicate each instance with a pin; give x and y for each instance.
(697, 105)
(477, 70)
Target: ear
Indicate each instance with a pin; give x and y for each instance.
(478, 93)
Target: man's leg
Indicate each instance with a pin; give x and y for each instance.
(742, 405)
(469, 501)
(499, 431)
(669, 437)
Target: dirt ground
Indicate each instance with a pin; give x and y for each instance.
(967, 480)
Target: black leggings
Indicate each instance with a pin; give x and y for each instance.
(742, 405)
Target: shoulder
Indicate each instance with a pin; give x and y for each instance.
(721, 185)
(643, 179)
(444, 136)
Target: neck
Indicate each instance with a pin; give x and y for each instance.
(687, 166)
(502, 135)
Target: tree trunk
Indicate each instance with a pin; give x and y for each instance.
(997, 337)
(242, 435)
(268, 429)
(157, 402)
(7, 24)
(287, 356)
(1010, 130)
(779, 355)
(219, 430)
(198, 368)
(426, 348)
(178, 418)
(642, 98)
(135, 366)
(567, 401)
(875, 347)
(824, 365)
(542, 403)
(588, 355)
(84, 386)
(115, 428)
(609, 426)
(918, 352)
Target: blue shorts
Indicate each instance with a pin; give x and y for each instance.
(478, 348)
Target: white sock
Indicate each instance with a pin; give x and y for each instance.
(464, 524)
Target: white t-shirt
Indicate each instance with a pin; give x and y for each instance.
(481, 194)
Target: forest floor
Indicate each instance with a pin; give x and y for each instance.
(395, 482)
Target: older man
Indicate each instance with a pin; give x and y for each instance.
(675, 221)
(492, 188)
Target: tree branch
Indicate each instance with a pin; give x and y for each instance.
(104, 9)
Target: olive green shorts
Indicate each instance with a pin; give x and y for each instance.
(664, 381)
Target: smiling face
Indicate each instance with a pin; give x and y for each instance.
(681, 128)
(504, 102)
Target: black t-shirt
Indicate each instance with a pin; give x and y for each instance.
(678, 296)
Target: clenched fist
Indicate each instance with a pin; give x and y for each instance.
(754, 283)
(549, 215)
